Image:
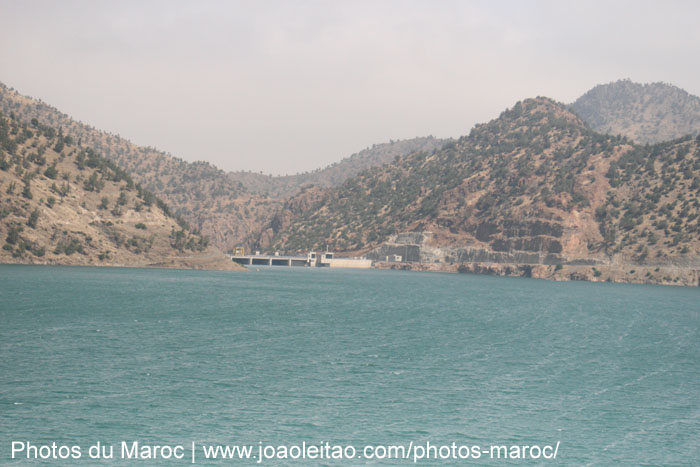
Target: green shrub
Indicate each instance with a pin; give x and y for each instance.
(59, 146)
(69, 247)
(51, 172)
(13, 234)
(33, 219)
(27, 191)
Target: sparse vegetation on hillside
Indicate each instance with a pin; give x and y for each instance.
(227, 207)
(199, 192)
(77, 207)
(535, 180)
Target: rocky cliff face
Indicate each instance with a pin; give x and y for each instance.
(416, 252)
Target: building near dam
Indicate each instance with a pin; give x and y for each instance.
(328, 259)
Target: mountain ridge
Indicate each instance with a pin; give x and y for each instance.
(535, 191)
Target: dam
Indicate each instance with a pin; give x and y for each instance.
(312, 259)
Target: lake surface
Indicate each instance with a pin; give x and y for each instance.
(290, 355)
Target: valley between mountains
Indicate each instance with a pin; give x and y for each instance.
(604, 189)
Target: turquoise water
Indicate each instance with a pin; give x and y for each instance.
(287, 355)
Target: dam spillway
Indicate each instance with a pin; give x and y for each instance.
(270, 260)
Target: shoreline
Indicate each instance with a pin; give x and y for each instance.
(621, 274)
(625, 274)
(183, 265)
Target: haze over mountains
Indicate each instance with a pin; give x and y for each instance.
(338, 172)
(645, 113)
(540, 187)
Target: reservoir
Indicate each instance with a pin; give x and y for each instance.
(290, 355)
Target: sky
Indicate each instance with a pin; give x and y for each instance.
(289, 86)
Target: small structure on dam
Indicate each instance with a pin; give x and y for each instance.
(329, 260)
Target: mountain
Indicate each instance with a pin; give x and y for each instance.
(645, 113)
(199, 192)
(63, 203)
(536, 191)
(226, 207)
(533, 192)
(335, 174)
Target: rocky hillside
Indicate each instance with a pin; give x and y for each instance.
(63, 203)
(535, 190)
(645, 113)
(201, 193)
(226, 207)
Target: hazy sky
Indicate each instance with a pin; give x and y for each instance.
(290, 86)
